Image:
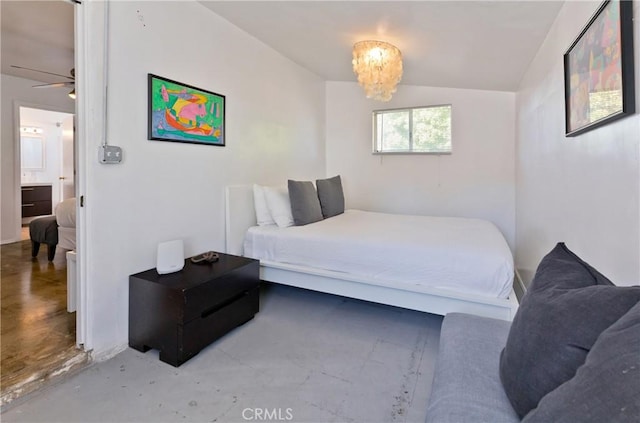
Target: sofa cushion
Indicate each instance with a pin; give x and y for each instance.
(466, 385)
(568, 305)
(607, 386)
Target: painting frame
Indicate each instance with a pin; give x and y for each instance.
(180, 112)
(599, 76)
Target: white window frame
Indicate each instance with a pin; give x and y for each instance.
(410, 149)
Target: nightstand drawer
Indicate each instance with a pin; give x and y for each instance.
(217, 291)
(216, 322)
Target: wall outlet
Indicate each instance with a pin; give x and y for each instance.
(110, 154)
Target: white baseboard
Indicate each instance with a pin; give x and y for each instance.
(104, 355)
(518, 286)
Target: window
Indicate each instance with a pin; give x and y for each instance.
(416, 130)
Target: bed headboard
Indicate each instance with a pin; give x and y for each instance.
(240, 215)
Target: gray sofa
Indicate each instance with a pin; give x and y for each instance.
(466, 385)
(570, 354)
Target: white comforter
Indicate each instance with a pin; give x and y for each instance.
(464, 255)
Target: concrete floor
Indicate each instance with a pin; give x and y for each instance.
(306, 357)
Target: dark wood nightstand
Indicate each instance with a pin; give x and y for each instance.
(181, 313)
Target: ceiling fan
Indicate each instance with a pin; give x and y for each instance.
(70, 83)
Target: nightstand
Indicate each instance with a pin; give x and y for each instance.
(181, 313)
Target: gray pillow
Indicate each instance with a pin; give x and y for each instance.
(606, 388)
(305, 206)
(331, 196)
(568, 305)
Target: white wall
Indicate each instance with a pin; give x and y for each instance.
(19, 91)
(167, 190)
(582, 190)
(477, 180)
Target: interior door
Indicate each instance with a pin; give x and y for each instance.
(67, 174)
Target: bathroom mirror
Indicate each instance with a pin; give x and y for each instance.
(32, 152)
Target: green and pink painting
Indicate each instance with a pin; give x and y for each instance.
(182, 113)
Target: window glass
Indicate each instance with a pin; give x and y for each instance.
(415, 130)
(394, 131)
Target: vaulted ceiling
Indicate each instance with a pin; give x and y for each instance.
(464, 44)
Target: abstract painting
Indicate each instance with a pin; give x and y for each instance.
(183, 113)
(598, 70)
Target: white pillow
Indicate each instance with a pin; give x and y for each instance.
(279, 205)
(263, 215)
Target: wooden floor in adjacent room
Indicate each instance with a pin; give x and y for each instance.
(37, 334)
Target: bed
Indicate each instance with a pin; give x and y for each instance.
(411, 275)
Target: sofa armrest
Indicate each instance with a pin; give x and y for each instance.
(466, 385)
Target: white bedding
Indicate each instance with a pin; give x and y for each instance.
(459, 254)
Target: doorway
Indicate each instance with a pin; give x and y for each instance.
(46, 157)
(39, 285)
(39, 326)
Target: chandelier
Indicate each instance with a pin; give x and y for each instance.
(379, 68)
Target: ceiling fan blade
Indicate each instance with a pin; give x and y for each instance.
(41, 71)
(55, 85)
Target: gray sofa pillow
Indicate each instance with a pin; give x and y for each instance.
(331, 196)
(305, 206)
(606, 388)
(568, 305)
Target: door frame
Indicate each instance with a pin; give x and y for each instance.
(82, 334)
(17, 104)
(90, 45)
(84, 119)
